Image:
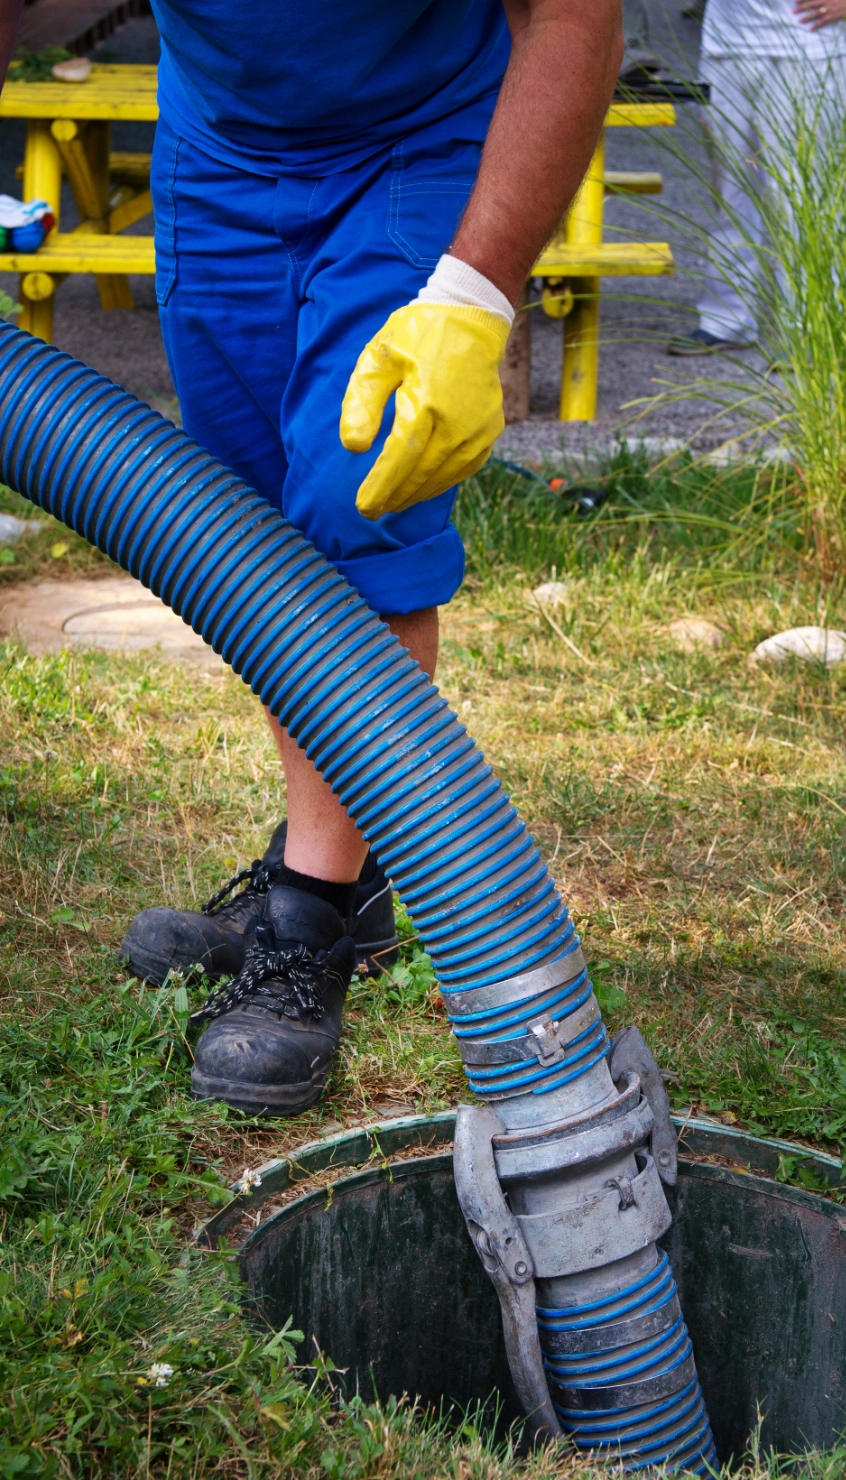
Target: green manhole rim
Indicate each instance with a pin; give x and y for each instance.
(759, 1263)
(747, 1158)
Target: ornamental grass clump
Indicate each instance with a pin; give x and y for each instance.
(792, 279)
(802, 310)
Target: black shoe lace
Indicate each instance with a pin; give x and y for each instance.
(258, 878)
(288, 980)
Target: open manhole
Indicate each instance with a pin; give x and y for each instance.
(378, 1271)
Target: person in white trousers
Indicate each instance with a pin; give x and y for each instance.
(760, 57)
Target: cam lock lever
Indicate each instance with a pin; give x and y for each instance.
(503, 1251)
(630, 1053)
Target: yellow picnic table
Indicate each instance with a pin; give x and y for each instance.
(69, 131)
(577, 257)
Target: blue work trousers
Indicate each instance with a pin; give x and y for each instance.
(269, 288)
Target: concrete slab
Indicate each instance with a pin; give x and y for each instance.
(115, 612)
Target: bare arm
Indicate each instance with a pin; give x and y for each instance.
(10, 16)
(565, 59)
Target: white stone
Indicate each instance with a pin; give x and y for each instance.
(75, 69)
(11, 529)
(115, 612)
(690, 633)
(550, 593)
(817, 644)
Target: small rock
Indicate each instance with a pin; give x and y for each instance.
(816, 644)
(11, 529)
(75, 69)
(691, 633)
(550, 593)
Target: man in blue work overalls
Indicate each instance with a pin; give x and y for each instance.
(348, 200)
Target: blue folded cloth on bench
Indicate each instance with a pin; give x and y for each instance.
(24, 224)
(27, 238)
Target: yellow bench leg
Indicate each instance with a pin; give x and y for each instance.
(42, 181)
(36, 316)
(580, 367)
(86, 158)
(113, 287)
(72, 150)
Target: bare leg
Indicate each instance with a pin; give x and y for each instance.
(322, 839)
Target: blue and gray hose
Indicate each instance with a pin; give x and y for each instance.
(570, 1149)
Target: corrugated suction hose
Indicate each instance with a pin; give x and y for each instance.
(504, 947)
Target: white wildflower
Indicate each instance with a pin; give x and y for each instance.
(249, 1180)
(160, 1374)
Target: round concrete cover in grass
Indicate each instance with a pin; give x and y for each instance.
(115, 612)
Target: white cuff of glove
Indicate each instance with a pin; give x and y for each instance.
(456, 282)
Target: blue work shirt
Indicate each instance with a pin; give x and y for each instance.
(279, 86)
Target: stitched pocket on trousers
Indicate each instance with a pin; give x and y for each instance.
(423, 210)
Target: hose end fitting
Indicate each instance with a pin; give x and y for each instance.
(559, 1176)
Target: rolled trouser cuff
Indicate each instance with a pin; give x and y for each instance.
(411, 578)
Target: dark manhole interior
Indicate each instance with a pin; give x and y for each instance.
(380, 1274)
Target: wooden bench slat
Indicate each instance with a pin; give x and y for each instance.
(132, 167)
(633, 182)
(112, 91)
(80, 252)
(610, 259)
(129, 92)
(70, 253)
(129, 212)
(640, 115)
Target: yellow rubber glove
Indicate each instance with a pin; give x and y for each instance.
(443, 362)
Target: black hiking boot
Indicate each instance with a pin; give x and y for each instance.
(217, 937)
(274, 1027)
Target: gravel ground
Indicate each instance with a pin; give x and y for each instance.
(638, 315)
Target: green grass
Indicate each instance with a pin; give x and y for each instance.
(720, 527)
(692, 811)
(50, 552)
(796, 397)
(37, 66)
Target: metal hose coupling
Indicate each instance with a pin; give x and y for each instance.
(559, 1176)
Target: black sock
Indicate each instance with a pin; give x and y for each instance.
(340, 896)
